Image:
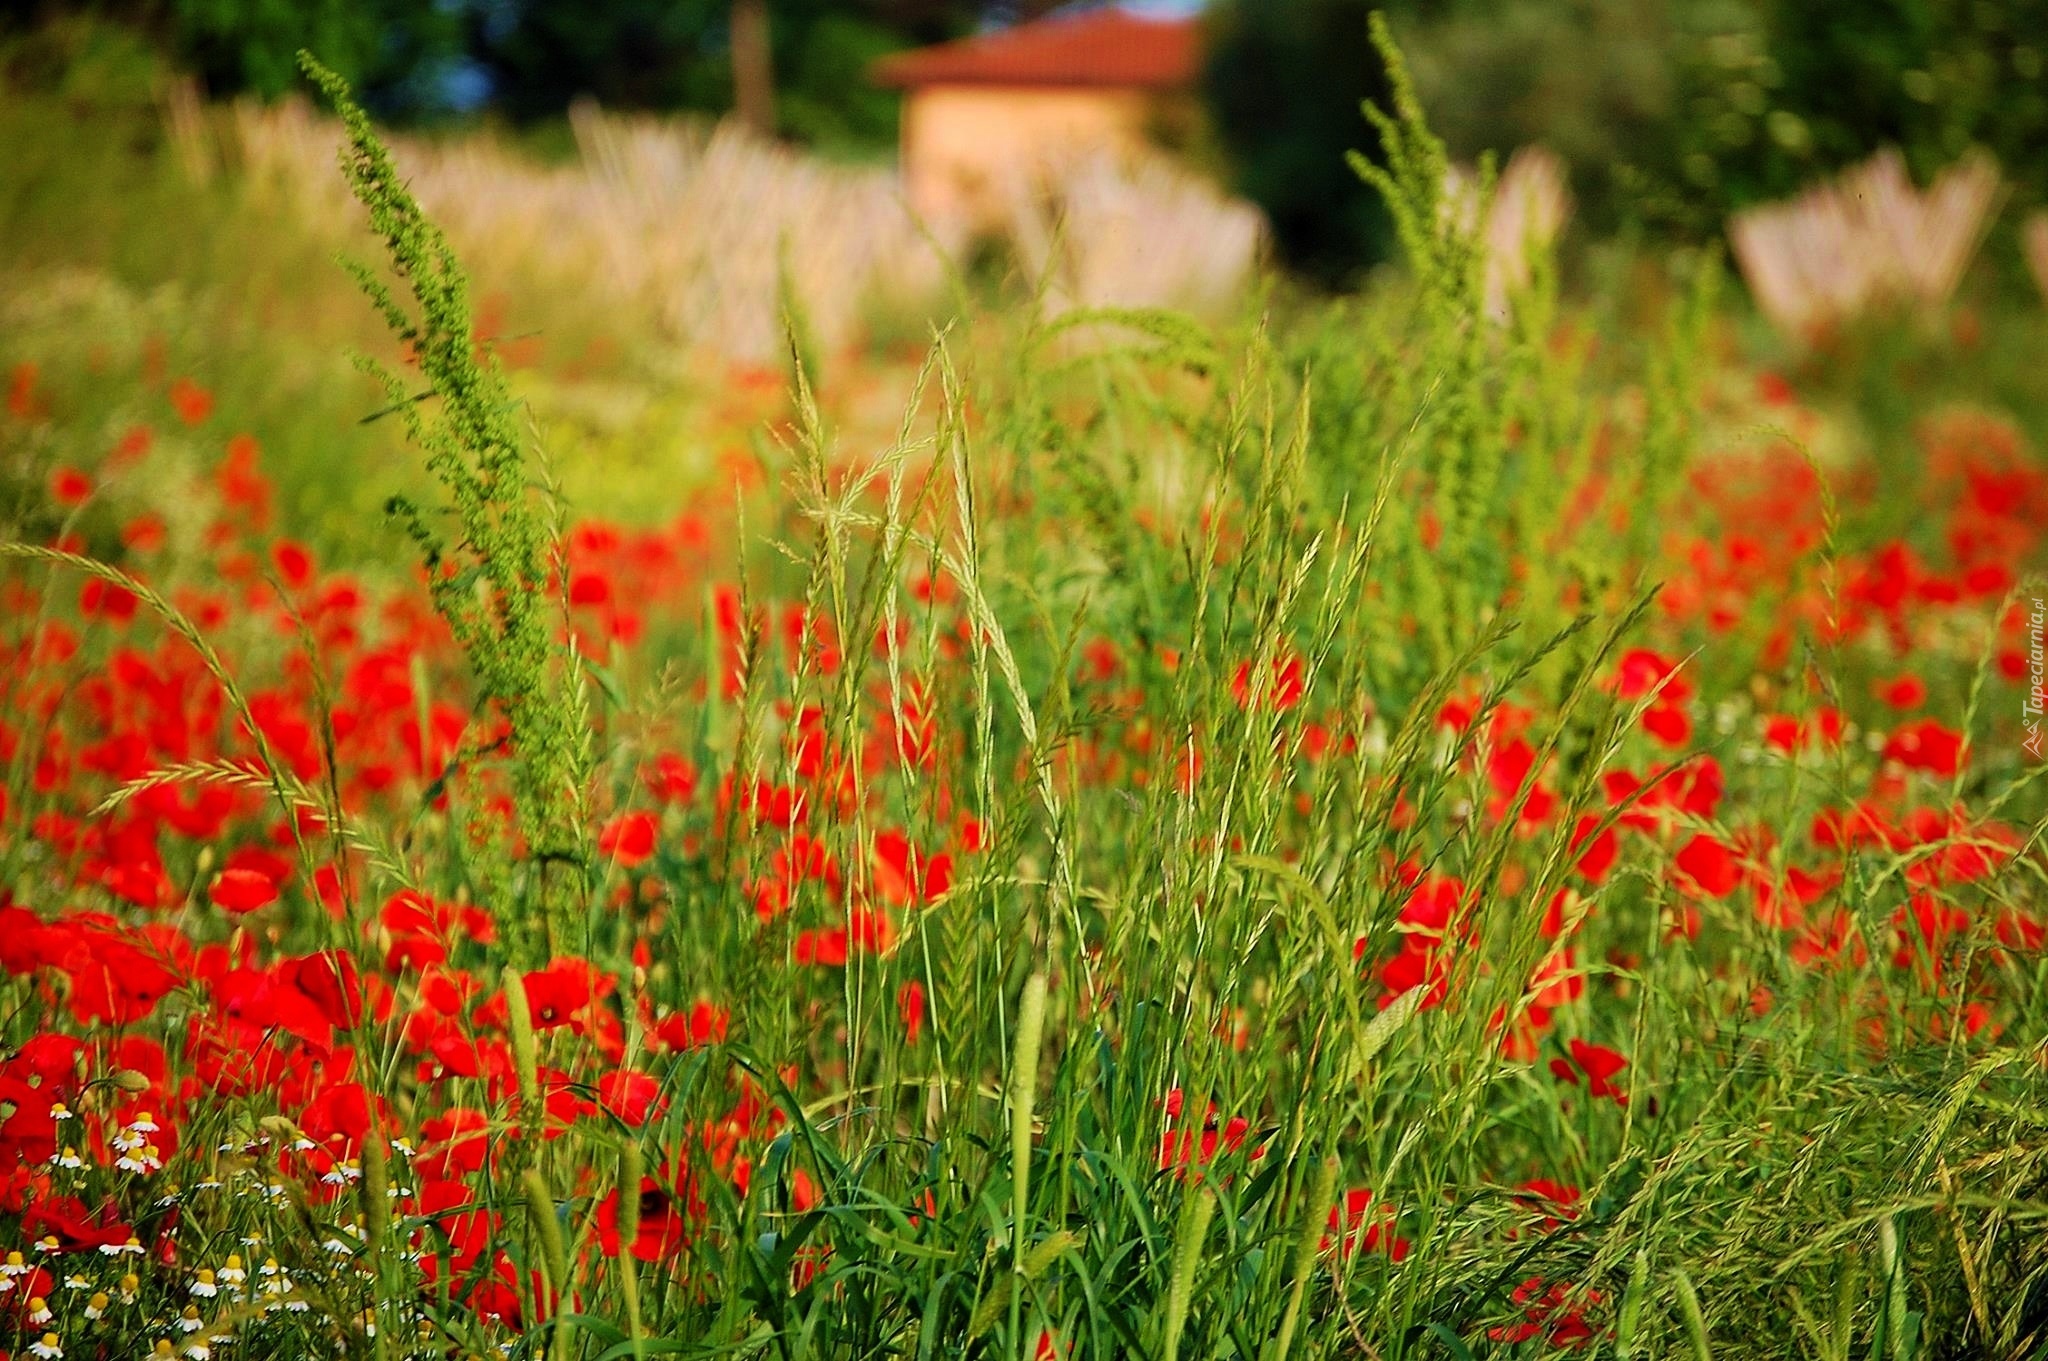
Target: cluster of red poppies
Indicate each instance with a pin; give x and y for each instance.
(283, 966)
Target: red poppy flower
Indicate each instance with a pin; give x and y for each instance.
(1903, 692)
(1926, 746)
(1600, 1066)
(702, 1024)
(670, 778)
(1285, 684)
(330, 980)
(910, 1007)
(1549, 1311)
(1596, 853)
(69, 487)
(664, 1228)
(243, 890)
(555, 994)
(629, 838)
(632, 1097)
(115, 981)
(1708, 867)
(1641, 671)
(192, 402)
(1351, 1210)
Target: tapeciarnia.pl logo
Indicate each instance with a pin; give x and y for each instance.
(2031, 711)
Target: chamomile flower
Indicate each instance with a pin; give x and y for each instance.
(133, 1247)
(13, 1266)
(48, 1348)
(203, 1285)
(60, 1111)
(144, 1123)
(68, 1157)
(97, 1306)
(189, 1321)
(231, 1273)
(162, 1351)
(147, 1158)
(77, 1282)
(39, 1310)
(131, 1284)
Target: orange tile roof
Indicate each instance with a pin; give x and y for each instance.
(1099, 47)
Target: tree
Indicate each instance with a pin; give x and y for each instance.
(753, 66)
(387, 49)
(1284, 81)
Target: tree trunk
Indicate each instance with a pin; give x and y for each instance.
(753, 66)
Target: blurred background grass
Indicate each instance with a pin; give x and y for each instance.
(1668, 116)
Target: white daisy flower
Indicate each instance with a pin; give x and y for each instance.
(48, 1348)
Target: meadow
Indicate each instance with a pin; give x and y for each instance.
(1351, 826)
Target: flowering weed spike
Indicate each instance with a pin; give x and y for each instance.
(492, 584)
(1313, 1218)
(1187, 1259)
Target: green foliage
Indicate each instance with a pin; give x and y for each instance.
(495, 585)
(1678, 112)
(379, 46)
(1936, 77)
(672, 54)
(1283, 81)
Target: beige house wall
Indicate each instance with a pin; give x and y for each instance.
(960, 142)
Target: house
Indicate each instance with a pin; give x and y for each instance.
(980, 112)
